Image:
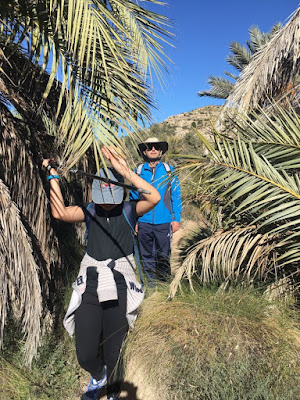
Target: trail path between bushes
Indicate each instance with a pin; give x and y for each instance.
(136, 385)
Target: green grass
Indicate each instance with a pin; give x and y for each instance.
(54, 372)
(211, 345)
(217, 345)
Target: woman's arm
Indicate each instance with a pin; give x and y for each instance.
(148, 201)
(58, 208)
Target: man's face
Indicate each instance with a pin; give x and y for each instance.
(153, 151)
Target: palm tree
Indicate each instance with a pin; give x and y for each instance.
(239, 59)
(248, 181)
(103, 53)
(273, 72)
(249, 177)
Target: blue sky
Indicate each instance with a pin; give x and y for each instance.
(204, 29)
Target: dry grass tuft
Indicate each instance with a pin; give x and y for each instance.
(214, 345)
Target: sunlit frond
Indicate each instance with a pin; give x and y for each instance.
(250, 175)
(220, 88)
(272, 70)
(102, 52)
(236, 255)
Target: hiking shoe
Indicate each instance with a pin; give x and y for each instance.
(94, 387)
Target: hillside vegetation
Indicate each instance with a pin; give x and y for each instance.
(177, 130)
(180, 124)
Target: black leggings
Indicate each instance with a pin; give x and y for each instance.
(93, 319)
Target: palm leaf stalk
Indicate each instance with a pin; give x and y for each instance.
(256, 197)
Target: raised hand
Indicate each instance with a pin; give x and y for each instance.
(117, 161)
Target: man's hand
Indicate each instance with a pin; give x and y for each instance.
(175, 226)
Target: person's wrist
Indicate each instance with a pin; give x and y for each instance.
(48, 169)
(49, 177)
(129, 175)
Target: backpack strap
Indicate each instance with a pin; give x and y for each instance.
(139, 169)
(128, 214)
(91, 211)
(167, 168)
(169, 172)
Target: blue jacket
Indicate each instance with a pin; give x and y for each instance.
(169, 208)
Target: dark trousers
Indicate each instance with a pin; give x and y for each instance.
(101, 322)
(155, 249)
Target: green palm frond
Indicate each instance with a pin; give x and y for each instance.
(220, 88)
(248, 176)
(237, 172)
(94, 41)
(274, 135)
(236, 255)
(258, 38)
(240, 57)
(103, 51)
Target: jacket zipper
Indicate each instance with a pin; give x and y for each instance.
(152, 180)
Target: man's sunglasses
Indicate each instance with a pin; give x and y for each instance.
(151, 145)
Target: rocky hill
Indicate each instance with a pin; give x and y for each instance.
(203, 118)
(177, 130)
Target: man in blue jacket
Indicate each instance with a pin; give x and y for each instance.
(156, 227)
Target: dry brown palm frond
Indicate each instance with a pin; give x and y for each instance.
(19, 275)
(24, 183)
(273, 70)
(234, 255)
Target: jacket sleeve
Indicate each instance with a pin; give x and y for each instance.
(176, 197)
(133, 194)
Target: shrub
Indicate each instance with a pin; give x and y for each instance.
(216, 345)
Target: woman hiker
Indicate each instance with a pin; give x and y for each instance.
(106, 293)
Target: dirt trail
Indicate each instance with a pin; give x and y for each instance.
(135, 386)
